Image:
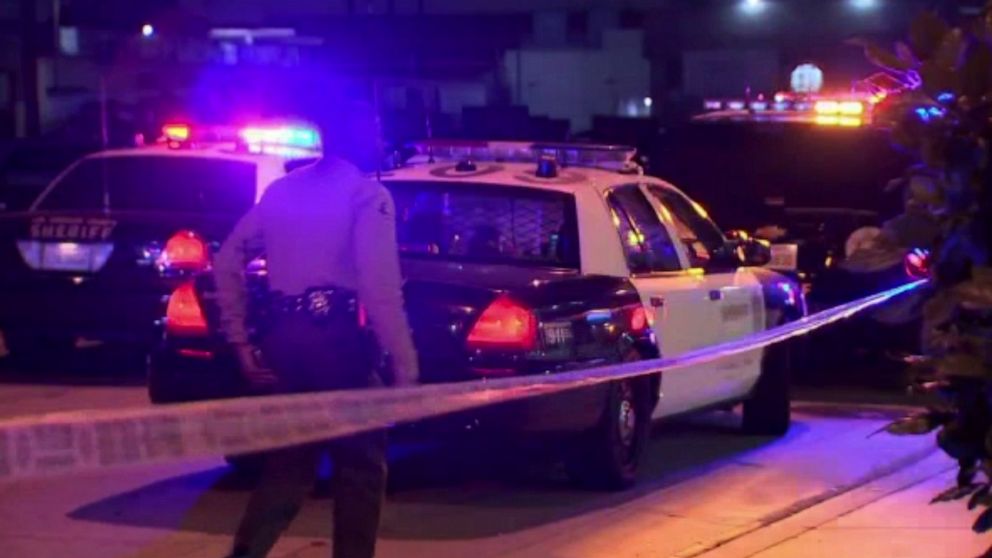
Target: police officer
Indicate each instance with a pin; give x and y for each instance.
(328, 235)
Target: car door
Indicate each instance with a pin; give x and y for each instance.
(684, 316)
(736, 292)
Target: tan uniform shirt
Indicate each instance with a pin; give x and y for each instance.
(322, 225)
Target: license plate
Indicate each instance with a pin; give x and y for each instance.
(557, 333)
(784, 256)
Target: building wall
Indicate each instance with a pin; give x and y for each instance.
(578, 84)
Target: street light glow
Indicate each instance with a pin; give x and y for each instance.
(864, 4)
(147, 30)
(753, 6)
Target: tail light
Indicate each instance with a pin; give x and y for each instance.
(917, 263)
(639, 320)
(185, 251)
(505, 324)
(184, 315)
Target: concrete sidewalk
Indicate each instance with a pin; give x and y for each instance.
(891, 516)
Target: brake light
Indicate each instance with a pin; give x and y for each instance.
(183, 314)
(917, 264)
(185, 251)
(505, 324)
(639, 320)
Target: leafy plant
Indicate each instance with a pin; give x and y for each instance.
(944, 114)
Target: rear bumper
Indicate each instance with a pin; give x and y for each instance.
(174, 378)
(117, 316)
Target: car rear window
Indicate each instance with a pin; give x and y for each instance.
(486, 224)
(154, 183)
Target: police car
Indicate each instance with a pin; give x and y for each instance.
(525, 259)
(115, 233)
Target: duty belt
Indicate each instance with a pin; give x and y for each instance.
(318, 303)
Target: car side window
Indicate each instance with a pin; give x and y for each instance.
(645, 241)
(697, 232)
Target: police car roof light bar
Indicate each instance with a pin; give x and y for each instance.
(609, 157)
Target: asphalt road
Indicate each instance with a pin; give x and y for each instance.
(703, 486)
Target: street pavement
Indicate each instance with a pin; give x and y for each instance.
(829, 488)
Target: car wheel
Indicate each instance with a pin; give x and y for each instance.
(768, 411)
(608, 456)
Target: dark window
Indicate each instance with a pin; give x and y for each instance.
(486, 224)
(632, 19)
(697, 232)
(578, 25)
(155, 183)
(645, 240)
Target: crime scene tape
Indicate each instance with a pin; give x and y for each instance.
(76, 441)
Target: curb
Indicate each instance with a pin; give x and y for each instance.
(793, 520)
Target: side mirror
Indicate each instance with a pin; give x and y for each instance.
(756, 253)
(743, 249)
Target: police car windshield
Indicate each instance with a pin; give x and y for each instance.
(154, 183)
(486, 224)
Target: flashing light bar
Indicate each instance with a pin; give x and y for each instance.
(846, 108)
(296, 141)
(843, 121)
(176, 132)
(287, 136)
(613, 157)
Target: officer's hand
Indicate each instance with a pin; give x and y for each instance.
(252, 368)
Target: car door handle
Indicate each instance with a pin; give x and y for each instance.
(657, 301)
(716, 294)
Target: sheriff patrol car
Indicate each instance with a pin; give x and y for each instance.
(524, 259)
(115, 233)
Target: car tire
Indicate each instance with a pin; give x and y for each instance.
(608, 456)
(768, 412)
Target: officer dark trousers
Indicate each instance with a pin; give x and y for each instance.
(310, 356)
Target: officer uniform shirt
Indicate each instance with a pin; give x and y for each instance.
(323, 225)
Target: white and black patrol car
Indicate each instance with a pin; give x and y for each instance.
(533, 259)
(114, 235)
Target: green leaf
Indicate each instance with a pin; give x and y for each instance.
(976, 294)
(962, 365)
(976, 72)
(980, 497)
(925, 190)
(955, 493)
(882, 57)
(926, 34)
(951, 51)
(919, 423)
(905, 53)
(984, 522)
(938, 78)
(940, 308)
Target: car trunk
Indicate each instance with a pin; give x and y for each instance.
(89, 274)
